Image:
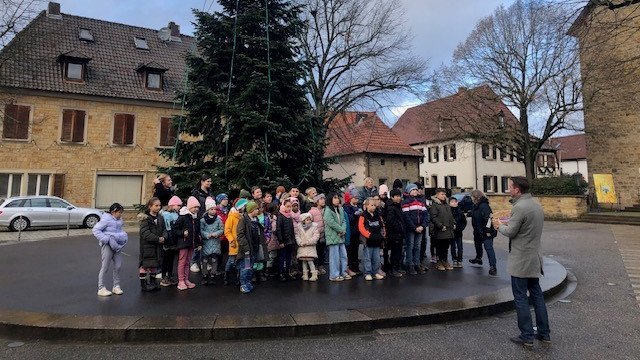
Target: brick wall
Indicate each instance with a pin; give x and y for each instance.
(555, 207)
(80, 163)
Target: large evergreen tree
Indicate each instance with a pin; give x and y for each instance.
(261, 132)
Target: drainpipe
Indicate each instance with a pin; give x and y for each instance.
(475, 163)
(368, 164)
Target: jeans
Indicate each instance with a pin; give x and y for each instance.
(371, 260)
(168, 262)
(423, 246)
(412, 249)
(245, 274)
(337, 260)
(456, 248)
(231, 261)
(520, 287)
(195, 257)
(108, 256)
(479, 241)
(321, 248)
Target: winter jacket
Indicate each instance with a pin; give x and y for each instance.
(316, 214)
(415, 213)
(151, 230)
(187, 222)
(461, 221)
(524, 231)
(202, 196)
(223, 212)
(162, 193)
(109, 232)
(211, 234)
(442, 219)
(170, 218)
(285, 230)
(480, 215)
(272, 243)
(307, 240)
(371, 227)
(366, 193)
(347, 235)
(231, 232)
(395, 224)
(335, 226)
(247, 243)
(352, 213)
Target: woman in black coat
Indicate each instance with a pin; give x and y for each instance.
(482, 234)
(152, 236)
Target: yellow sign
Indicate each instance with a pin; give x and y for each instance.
(605, 191)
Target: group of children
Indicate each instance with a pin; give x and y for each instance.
(261, 235)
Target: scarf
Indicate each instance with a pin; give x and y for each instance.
(208, 219)
(283, 211)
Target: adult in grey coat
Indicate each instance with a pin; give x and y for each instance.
(524, 230)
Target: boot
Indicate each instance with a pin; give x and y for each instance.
(305, 275)
(145, 284)
(155, 282)
(205, 279)
(261, 276)
(282, 276)
(225, 278)
(314, 275)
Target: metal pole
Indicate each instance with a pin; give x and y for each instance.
(68, 222)
(20, 230)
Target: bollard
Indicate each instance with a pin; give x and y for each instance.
(68, 222)
(20, 230)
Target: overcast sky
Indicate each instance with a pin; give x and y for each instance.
(437, 26)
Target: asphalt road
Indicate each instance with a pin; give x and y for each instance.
(602, 320)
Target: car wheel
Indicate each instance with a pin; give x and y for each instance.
(19, 224)
(90, 221)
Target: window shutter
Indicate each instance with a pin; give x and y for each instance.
(453, 152)
(58, 185)
(130, 124)
(23, 122)
(10, 121)
(539, 160)
(67, 125)
(494, 153)
(118, 129)
(78, 125)
(437, 153)
(485, 151)
(495, 184)
(445, 149)
(485, 183)
(168, 132)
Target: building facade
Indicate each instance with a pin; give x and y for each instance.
(572, 154)
(363, 146)
(87, 104)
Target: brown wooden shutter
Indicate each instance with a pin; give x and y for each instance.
(130, 125)
(67, 125)
(118, 129)
(78, 125)
(167, 132)
(539, 160)
(58, 185)
(23, 122)
(10, 121)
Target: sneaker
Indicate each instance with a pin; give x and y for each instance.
(397, 274)
(421, 270)
(321, 270)
(351, 273)
(195, 268)
(448, 266)
(182, 285)
(520, 341)
(382, 273)
(476, 261)
(117, 290)
(165, 282)
(104, 292)
(347, 277)
(402, 271)
(457, 264)
(174, 281)
(245, 289)
(368, 277)
(339, 278)
(434, 259)
(378, 276)
(493, 271)
(189, 284)
(440, 266)
(542, 339)
(412, 271)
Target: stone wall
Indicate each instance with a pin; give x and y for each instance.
(555, 207)
(395, 167)
(81, 163)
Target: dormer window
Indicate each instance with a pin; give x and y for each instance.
(153, 75)
(74, 66)
(141, 43)
(85, 35)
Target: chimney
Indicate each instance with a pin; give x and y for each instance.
(53, 10)
(175, 31)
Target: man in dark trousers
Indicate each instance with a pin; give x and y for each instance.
(443, 226)
(524, 230)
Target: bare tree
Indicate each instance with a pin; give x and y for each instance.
(15, 15)
(358, 53)
(523, 52)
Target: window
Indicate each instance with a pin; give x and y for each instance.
(15, 123)
(404, 163)
(489, 152)
(449, 152)
(434, 155)
(124, 189)
(85, 34)
(450, 181)
(37, 203)
(154, 81)
(74, 71)
(382, 181)
(73, 122)
(489, 183)
(505, 184)
(123, 125)
(382, 162)
(38, 184)
(141, 43)
(422, 158)
(56, 203)
(15, 203)
(494, 152)
(10, 185)
(167, 132)
(485, 151)
(434, 181)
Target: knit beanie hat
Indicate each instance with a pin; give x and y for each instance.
(192, 202)
(241, 203)
(209, 203)
(175, 201)
(305, 216)
(244, 194)
(411, 186)
(318, 197)
(251, 205)
(384, 189)
(354, 193)
(347, 198)
(221, 197)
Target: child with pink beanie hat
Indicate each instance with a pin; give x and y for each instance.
(187, 232)
(169, 248)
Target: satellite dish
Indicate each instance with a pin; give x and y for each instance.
(164, 34)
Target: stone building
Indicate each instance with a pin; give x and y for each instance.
(86, 105)
(572, 154)
(610, 67)
(364, 146)
(440, 130)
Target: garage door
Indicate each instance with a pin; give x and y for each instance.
(123, 189)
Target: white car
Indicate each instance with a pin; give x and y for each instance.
(21, 212)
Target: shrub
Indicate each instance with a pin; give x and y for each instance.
(559, 185)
